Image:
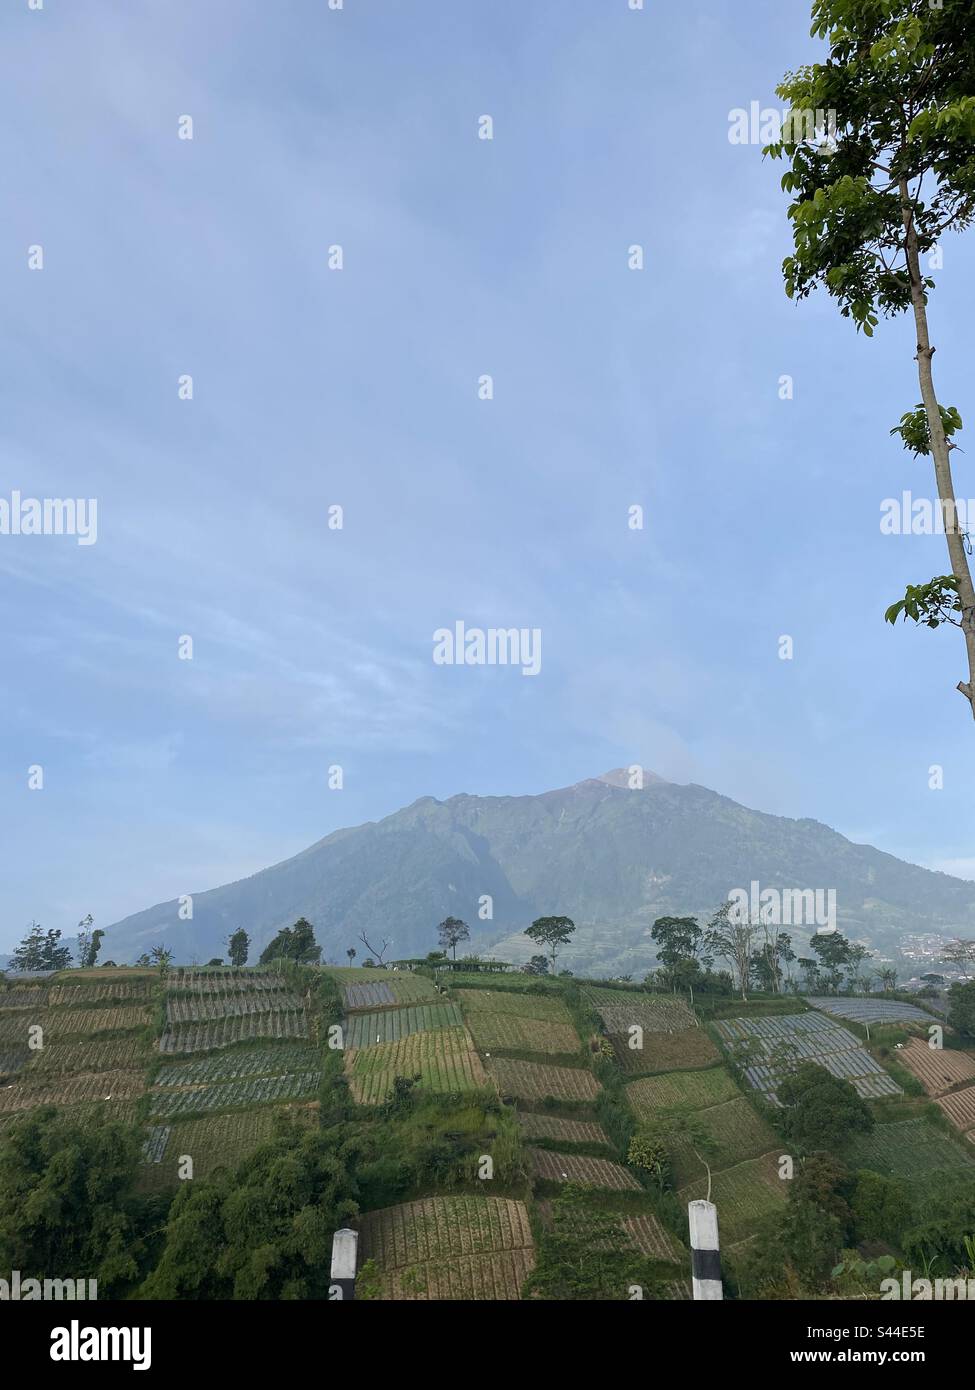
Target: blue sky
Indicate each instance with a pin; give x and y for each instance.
(314, 387)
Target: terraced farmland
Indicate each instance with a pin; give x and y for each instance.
(594, 1172)
(561, 1130)
(215, 1141)
(743, 1195)
(646, 1234)
(101, 992)
(68, 1090)
(937, 1069)
(228, 1066)
(911, 1150)
(959, 1106)
(689, 1048)
(64, 1023)
(450, 1248)
(769, 1048)
(113, 1054)
(222, 1032)
(212, 981)
(869, 1010)
(653, 1013)
(202, 1008)
(23, 996)
(15, 1026)
(680, 1091)
(13, 1060)
(362, 990)
(389, 1025)
(536, 1080)
(171, 1103)
(734, 1132)
(444, 1058)
(543, 1007)
(516, 1034)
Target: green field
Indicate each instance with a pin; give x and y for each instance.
(450, 1248)
(496, 1001)
(689, 1090)
(536, 1080)
(389, 1025)
(742, 1195)
(911, 1150)
(731, 1132)
(688, 1048)
(444, 1059)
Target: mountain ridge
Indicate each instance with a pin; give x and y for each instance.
(610, 856)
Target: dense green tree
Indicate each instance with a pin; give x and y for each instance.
(551, 932)
(66, 1199)
(538, 965)
(880, 1206)
(834, 952)
(452, 931)
(650, 1153)
(767, 962)
(899, 172)
(961, 1008)
(41, 950)
(821, 1111)
(793, 1254)
(89, 942)
(943, 1221)
(294, 943)
(678, 940)
(238, 947)
(264, 1232)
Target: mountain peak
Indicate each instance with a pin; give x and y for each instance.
(623, 777)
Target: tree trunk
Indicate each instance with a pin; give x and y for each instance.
(939, 449)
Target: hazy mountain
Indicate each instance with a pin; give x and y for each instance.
(611, 858)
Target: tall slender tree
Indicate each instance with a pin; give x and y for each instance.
(897, 173)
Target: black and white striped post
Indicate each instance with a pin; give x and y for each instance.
(345, 1249)
(705, 1252)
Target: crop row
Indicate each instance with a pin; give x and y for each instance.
(742, 1195)
(226, 981)
(113, 1054)
(937, 1069)
(229, 1066)
(689, 1048)
(100, 992)
(258, 1090)
(680, 1091)
(214, 1141)
(536, 1080)
(523, 1034)
(498, 1001)
(960, 1108)
(494, 1278)
(205, 1007)
(222, 1032)
(593, 1172)
(434, 1227)
(869, 1010)
(560, 1129)
(113, 1085)
(24, 997)
(653, 1015)
(444, 1059)
(388, 1025)
(911, 1150)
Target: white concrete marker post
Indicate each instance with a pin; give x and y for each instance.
(345, 1249)
(705, 1252)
